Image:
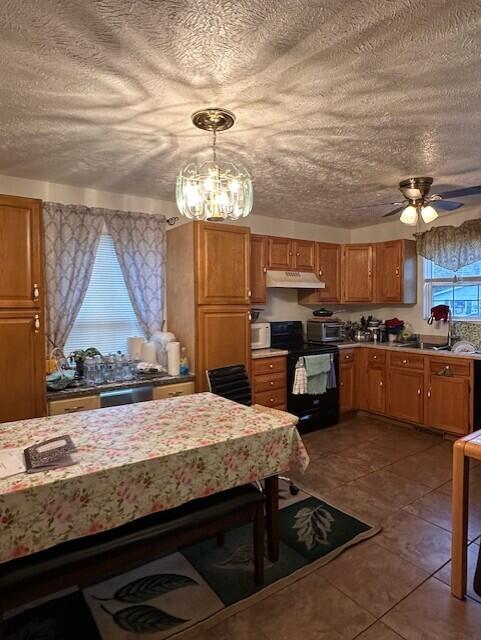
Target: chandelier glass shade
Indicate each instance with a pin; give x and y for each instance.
(410, 214)
(214, 190)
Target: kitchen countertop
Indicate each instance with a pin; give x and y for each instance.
(390, 347)
(92, 390)
(268, 353)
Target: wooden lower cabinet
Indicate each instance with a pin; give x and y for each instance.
(347, 388)
(73, 405)
(429, 391)
(223, 339)
(269, 382)
(174, 390)
(447, 404)
(376, 390)
(405, 395)
(22, 365)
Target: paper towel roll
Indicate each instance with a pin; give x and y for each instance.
(134, 347)
(149, 352)
(173, 358)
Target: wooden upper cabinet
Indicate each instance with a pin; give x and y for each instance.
(357, 273)
(329, 271)
(258, 269)
(405, 395)
(222, 263)
(21, 269)
(223, 339)
(396, 271)
(448, 403)
(304, 255)
(279, 254)
(22, 365)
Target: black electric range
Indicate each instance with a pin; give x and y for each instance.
(314, 411)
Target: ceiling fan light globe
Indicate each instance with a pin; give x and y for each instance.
(409, 215)
(429, 214)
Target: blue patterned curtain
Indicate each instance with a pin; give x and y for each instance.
(139, 241)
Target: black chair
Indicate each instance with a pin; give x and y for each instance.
(233, 383)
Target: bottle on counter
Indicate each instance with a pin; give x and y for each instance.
(89, 371)
(184, 362)
(98, 370)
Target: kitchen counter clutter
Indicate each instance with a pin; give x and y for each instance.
(392, 347)
(140, 381)
(267, 353)
(424, 387)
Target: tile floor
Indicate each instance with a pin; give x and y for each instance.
(396, 585)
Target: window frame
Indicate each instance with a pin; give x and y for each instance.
(429, 281)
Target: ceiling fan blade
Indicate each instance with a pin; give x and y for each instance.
(461, 193)
(378, 204)
(446, 205)
(393, 213)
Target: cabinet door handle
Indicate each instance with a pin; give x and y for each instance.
(271, 366)
(174, 394)
(36, 292)
(419, 392)
(405, 361)
(78, 407)
(249, 293)
(298, 254)
(381, 384)
(264, 269)
(36, 323)
(271, 383)
(429, 393)
(320, 272)
(249, 316)
(342, 384)
(347, 357)
(374, 357)
(397, 271)
(290, 253)
(271, 400)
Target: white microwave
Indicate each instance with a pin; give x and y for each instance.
(260, 335)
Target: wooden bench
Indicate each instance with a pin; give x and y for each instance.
(91, 559)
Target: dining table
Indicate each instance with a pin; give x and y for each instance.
(138, 459)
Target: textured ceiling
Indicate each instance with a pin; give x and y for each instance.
(336, 101)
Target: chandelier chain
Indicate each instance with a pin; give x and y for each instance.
(214, 146)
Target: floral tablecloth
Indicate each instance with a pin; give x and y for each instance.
(137, 459)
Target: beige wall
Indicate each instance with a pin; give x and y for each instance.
(396, 230)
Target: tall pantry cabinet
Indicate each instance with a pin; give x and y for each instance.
(22, 315)
(208, 294)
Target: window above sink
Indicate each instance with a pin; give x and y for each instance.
(460, 290)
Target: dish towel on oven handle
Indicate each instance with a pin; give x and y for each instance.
(299, 386)
(331, 376)
(317, 369)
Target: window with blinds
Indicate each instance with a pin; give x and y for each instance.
(106, 318)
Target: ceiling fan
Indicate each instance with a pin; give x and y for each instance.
(416, 194)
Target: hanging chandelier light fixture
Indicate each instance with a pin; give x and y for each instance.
(214, 190)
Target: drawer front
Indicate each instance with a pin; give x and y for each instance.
(346, 356)
(407, 361)
(275, 398)
(376, 356)
(73, 405)
(173, 390)
(451, 366)
(269, 381)
(262, 366)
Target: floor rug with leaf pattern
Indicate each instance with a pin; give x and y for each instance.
(186, 592)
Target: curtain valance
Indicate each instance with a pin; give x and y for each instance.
(451, 247)
(72, 234)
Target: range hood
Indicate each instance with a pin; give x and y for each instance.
(293, 280)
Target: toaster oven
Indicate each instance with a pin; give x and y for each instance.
(325, 331)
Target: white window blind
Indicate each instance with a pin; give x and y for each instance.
(106, 318)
